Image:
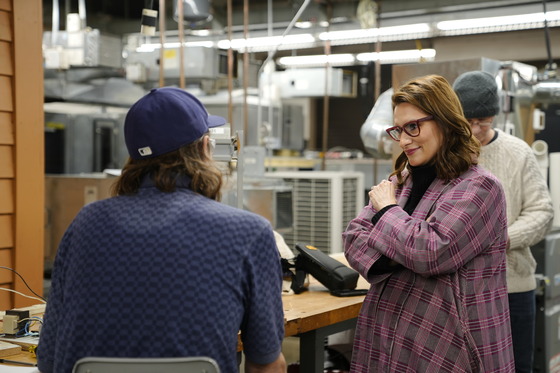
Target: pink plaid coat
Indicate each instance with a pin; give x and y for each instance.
(446, 308)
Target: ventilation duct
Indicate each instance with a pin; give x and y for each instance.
(194, 11)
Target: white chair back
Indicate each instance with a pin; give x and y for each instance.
(146, 365)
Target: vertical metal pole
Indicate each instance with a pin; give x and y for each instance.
(326, 98)
(230, 65)
(377, 86)
(162, 42)
(245, 69)
(181, 44)
(240, 168)
(55, 22)
(82, 14)
(377, 90)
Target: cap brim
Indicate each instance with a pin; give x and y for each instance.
(216, 121)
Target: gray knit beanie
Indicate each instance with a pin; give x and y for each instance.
(478, 93)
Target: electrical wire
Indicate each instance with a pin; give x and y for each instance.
(29, 324)
(24, 295)
(22, 279)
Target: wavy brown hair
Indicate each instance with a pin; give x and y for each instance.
(167, 169)
(459, 148)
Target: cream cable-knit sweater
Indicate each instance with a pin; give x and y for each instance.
(529, 206)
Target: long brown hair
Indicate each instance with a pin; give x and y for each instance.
(459, 148)
(165, 170)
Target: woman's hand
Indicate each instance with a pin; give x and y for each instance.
(382, 194)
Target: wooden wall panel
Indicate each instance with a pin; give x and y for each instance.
(6, 196)
(6, 65)
(5, 296)
(5, 26)
(29, 157)
(6, 276)
(6, 129)
(6, 98)
(6, 5)
(6, 161)
(6, 232)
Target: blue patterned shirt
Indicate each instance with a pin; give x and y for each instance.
(163, 275)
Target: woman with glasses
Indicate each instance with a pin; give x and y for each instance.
(431, 242)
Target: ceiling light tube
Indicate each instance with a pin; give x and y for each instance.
(343, 59)
(416, 28)
(266, 42)
(402, 56)
(150, 47)
(490, 24)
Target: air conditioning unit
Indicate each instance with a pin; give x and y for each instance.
(324, 203)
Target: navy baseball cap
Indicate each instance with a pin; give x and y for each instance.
(165, 120)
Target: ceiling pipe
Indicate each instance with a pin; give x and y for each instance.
(55, 22)
(82, 13)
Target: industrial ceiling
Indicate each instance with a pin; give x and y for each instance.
(123, 16)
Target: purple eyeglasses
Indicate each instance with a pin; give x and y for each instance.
(411, 128)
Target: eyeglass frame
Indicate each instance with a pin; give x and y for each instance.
(476, 122)
(402, 128)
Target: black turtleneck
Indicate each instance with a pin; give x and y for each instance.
(422, 177)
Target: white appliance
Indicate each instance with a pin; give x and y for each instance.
(324, 203)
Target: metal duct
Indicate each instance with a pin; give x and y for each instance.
(547, 92)
(193, 11)
(376, 141)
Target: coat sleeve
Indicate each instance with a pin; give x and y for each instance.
(356, 250)
(468, 219)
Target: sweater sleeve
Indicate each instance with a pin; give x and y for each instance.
(536, 213)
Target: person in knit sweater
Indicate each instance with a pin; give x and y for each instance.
(529, 206)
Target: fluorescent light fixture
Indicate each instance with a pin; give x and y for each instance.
(150, 47)
(203, 32)
(361, 36)
(344, 59)
(493, 24)
(402, 56)
(266, 42)
(304, 24)
(384, 33)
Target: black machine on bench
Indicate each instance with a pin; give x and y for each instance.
(334, 275)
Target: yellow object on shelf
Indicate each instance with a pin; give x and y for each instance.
(297, 162)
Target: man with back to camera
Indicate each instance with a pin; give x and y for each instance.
(529, 206)
(162, 269)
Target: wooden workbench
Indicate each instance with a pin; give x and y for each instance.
(311, 315)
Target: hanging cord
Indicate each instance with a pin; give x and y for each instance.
(22, 279)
